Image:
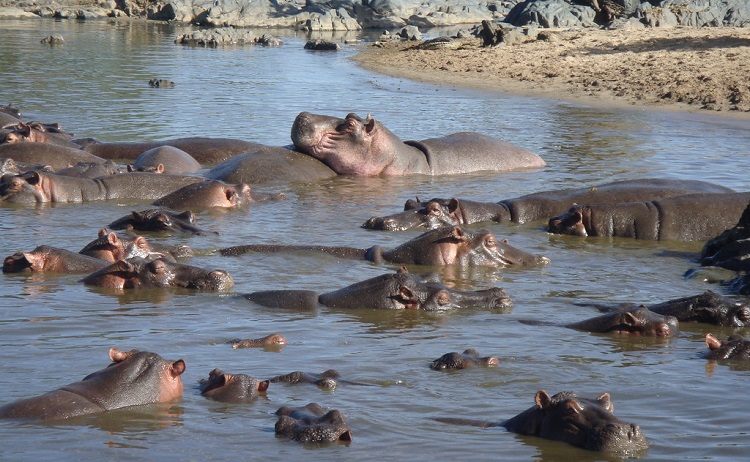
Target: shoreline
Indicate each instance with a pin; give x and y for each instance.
(702, 71)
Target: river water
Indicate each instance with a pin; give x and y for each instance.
(54, 330)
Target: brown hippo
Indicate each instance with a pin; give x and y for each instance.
(136, 273)
(111, 248)
(531, 207)
(231, 388)
(159, 220)
(275, 341)
(55, 156)
(312, 424)
(166, 159)
(207, 194)
(633, 321)
(581, 422)
(364, 147)
(451, 245)
(734, 347)
(134, 378)
(39, 133)
(469, 358)
(51, 259)
(693, 217)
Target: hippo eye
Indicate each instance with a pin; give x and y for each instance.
(443, 298)
(490, 241)
(158, 267)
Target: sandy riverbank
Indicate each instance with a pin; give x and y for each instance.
(671, 68)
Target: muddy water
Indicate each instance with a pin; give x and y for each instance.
(53, 330)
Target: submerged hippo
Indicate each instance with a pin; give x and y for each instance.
(633, 321)
(393, 291)
(35, 187)
(275, 340)
(693, 217)
(231, 388)
(111, 248)
(51, 259)
(136, 273)
(134, 378)
(312, 424)
(469, 358)
(364, 147)
(537, 206)
(207, 194)
(708, 307)
(734, 347)
(158, 220)
(165, 159)
(582, 422)
(327, 380)
(443, 246)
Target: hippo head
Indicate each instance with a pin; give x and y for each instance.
(469, 358)
(734, 347)
(231, 388)
(108, 247)
(312, 424)
(22, 189)
(19, 261)
(642, 321)
(573, 222)
(483, 249)
(430, 215)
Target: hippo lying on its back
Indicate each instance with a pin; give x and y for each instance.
(582, 422)
(364, 147)
(537, 206)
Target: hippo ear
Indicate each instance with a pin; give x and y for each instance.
(606, 401)
(263, 386)
(112, 238)
(33, 260)
(118, 356)
(177, 368)
(453, 205)
(712, 342)
(160, 168)
(629, 319)
(140, 242)
(245, 191)
(130, 168)
(23, 130)
(408, 298)
(542, 399)
(402, 270)
(458, 233)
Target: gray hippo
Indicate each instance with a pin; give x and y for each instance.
(51, 259)
(134, 378)
(273, 341)
(165, 159)
(159, 220)
(451, 245)
(137, 273)
(469, 358)
(90, 170)
(207, 194)
(634, 321)
(312, 424)
(35, 187)
(693, 217)
(55, 156)
(364, 147)
(326, 380)
(582, 422)
(536, 206)
(734, 347)
(231, 388)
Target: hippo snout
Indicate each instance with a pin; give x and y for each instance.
(619, 437)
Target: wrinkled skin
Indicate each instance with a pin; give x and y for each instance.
(159, 220)
(57, 157)
(637, 321)
(207, 194)
(581, 422)
(297, 300)
(136, 273)
(364, 147)
(734, 347)
(275, 340)
(312, 424)
(469, 358)
(166, 159)
(51, 259)
(231, 388)
(536, 206)
(693, 217)
(134, 378)
(731, 248)
(439, 247)
(708, 307)
(36, 187)
(90, 170)
(111, 248)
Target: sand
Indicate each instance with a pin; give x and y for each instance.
(686, 69)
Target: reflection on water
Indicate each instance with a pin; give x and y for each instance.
(55, 329)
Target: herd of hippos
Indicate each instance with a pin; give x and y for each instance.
(41, 164)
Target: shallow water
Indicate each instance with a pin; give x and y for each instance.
(56, 331)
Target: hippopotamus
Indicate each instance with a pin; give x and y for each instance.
(36, 187)
(134, 378)
(231, 388)
(39, 133)
(159, 220)
(708, 307)
(692, 217)
(275, 340)
(637, 321)
(364, 147)
(451, 245)
(392, 291)
(57, 157)
(469, 358)
(9, 115)
(731, 248)
(111, 248)
(312, 424)
(207, 194)
(136, 273)
(51, 259)
(536, 206)
(267, 164)
(582, 422)
(166, 159)
(734, 347)
(327, 380)
(90, 170)
(207, 151)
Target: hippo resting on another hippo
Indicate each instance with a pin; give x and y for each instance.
(136, 273)
(444, 246)
(231, 388)
(531, 207)
(582, 422)
(312, 424)
(111, 248)
(158, 220)
(393, 291)
(207, 194)
(364, 147)
(165, 159)
(694, 217)
(134, 378)
(634, 321)
(55, 156)
(51, 259)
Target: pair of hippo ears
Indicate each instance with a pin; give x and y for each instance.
(544, 401)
